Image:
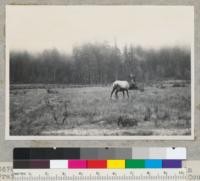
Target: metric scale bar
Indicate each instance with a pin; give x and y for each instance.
(99, 174)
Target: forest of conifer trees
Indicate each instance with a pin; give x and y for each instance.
(99, 63)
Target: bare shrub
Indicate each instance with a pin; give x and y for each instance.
(156, 123)
(159, 114)
(163, 114)
(51, 91)
(148, 113)
(59, 112)
(126, 120)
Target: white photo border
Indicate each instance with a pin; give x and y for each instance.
(175, 137)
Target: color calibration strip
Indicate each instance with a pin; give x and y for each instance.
(96, 164)
(178, 153)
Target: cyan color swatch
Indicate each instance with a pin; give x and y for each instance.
(153, 163)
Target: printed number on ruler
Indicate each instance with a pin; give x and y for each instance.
(99, 174)
(6, 171)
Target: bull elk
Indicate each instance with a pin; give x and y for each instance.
(123, 86)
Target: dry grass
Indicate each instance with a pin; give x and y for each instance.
(89, 111)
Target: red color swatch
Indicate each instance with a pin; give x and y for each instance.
(96, 164)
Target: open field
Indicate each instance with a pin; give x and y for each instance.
(74, 111)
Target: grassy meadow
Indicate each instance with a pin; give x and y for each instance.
(160, 109)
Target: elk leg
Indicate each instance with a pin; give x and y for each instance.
(127, 93)
(123, 93)
(112, 92)
(116, 94)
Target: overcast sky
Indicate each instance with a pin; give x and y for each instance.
(35, 28)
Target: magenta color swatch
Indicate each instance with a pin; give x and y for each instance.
(77, 164)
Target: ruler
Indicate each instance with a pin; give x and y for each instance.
(99, 174)
(190, 172)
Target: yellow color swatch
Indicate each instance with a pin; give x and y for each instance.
(115, 164)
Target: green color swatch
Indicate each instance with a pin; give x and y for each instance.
(135, 164)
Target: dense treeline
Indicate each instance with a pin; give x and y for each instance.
(99, 64)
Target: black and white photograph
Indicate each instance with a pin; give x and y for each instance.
(99, 72)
